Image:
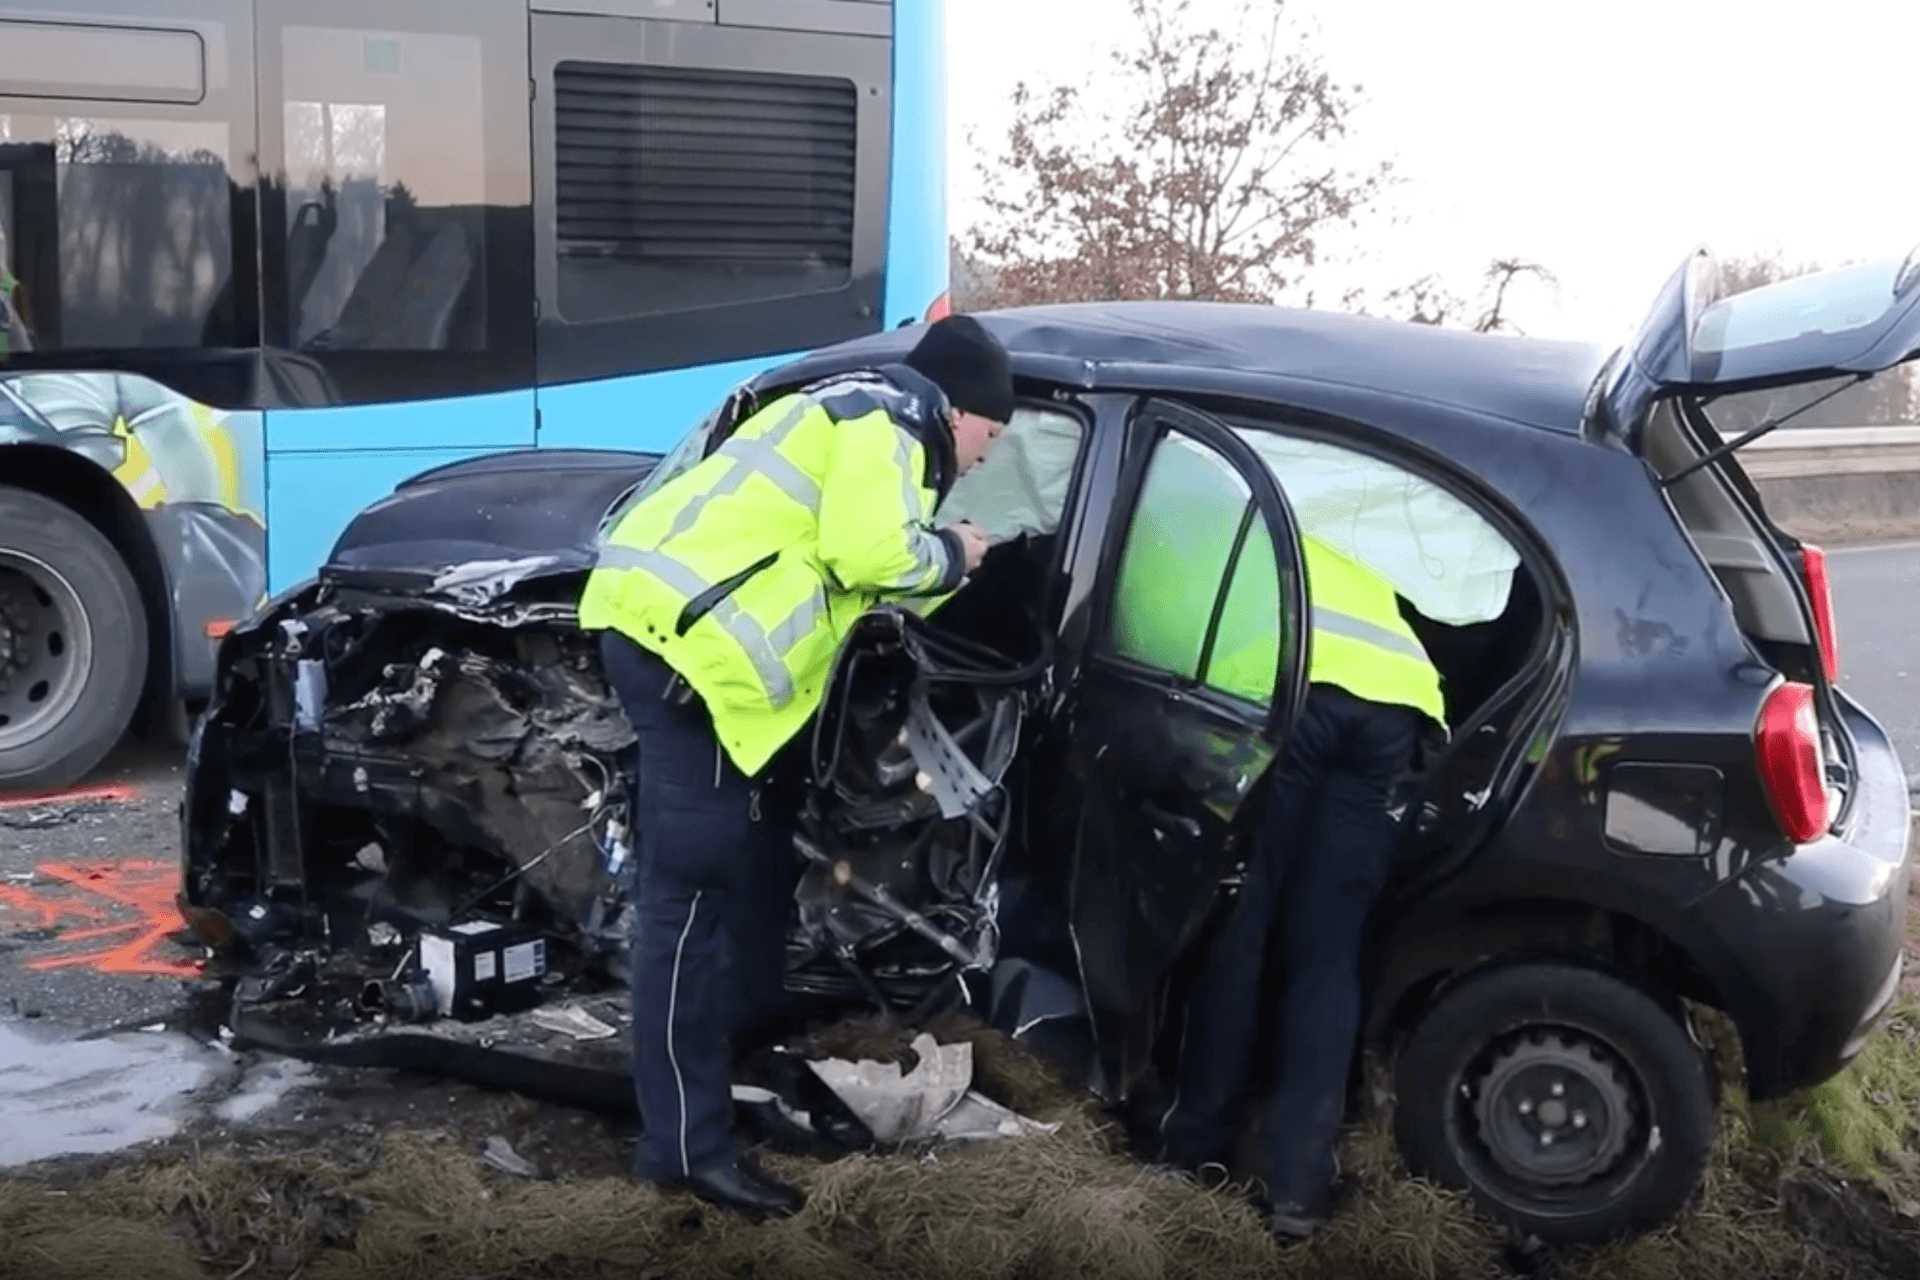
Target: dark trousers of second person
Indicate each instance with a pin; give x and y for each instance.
(712, 892)
(1319, 860)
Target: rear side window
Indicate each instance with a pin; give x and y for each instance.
(682, 187)
(1198, 591)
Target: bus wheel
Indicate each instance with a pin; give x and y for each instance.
(73, 644)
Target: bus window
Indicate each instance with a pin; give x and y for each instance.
(120, 229)
(386, 179)
(708, 193)
(14, 334)
(393, 246)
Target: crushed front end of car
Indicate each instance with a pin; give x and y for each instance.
(407, 825)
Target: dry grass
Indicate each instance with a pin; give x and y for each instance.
(1068, 1205)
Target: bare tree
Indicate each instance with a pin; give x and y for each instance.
(1430, 300)
(1213, 180)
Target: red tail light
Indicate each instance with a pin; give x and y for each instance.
(1814, 561)
(1791, 768)
(941, 308)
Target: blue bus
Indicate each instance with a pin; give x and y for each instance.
(260, 260)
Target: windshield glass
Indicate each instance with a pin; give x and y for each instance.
(691, 449)
(1831, 302)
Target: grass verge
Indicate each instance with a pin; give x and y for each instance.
(1811, 1187)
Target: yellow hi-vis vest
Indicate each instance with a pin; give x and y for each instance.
(746, 572)
(1361, 643)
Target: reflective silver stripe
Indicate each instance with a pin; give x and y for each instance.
(924, 547)
(673, 1005)
(1345, 624)
(789, 635)
(793, 482)
(612, 556)
(727, 615)
(758, 456)
(909, 491)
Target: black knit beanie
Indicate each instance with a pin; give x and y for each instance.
(960, 357)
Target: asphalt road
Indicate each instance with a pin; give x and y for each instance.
(83, 884)
(86, 884)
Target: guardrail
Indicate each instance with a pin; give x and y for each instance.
(1832, 451)
(1840, 484)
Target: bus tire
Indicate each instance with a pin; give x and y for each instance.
(73, 644)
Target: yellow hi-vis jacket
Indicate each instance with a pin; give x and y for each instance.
(1361, 643)
(746, 572)
(1360, 640)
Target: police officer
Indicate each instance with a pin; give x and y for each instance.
(722, 599)
(1318, 860)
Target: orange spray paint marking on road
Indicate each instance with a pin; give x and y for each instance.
(132, 900)
(48, 910)
(115, 793)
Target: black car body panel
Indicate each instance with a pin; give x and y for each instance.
(1833, 912)
(995, 795)
(505, 509)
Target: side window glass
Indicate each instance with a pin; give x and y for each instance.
(116, 232)
(386, 238)
(1246, 648)
(1441, 554)
(1197, 594)
(1021, 488)
(13, 328)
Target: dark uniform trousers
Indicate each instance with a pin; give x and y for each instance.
(712, 892)
(1318, 862)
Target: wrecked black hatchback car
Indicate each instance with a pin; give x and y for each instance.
(406, 813)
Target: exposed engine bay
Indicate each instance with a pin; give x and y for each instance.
(409, 812)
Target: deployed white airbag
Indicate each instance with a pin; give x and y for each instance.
(1442, 555)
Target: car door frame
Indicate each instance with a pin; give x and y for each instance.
(1132, 427)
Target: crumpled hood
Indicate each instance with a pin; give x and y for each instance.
(537, 510)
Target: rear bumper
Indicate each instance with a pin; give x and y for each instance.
(1820, 934)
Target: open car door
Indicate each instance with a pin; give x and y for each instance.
(1193, 675)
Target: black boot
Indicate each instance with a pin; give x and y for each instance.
(738, 1186)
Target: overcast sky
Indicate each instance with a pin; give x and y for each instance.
(1602, 140)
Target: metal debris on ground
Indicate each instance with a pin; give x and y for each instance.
(38, 819)
(499, 1154)
(934, 1100)
(570, 1020)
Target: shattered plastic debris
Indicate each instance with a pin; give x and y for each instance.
(499, 1154)
(571, 1020)
(41, 819)
(934, 1100)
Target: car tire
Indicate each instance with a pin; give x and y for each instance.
(1566, 1101)
(73, 644)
